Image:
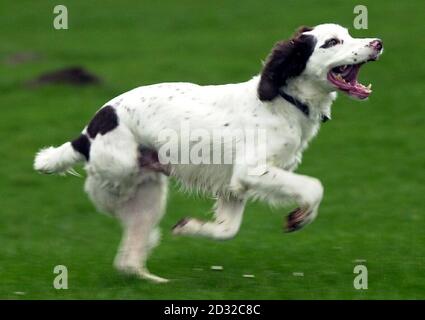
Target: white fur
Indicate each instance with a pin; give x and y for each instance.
(56, 160)
(117, 184)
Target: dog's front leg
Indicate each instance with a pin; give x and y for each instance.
(275, 183)
(228, 218)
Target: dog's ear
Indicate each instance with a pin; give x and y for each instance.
(302, 29)
(287, 60)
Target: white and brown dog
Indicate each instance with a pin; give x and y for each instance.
(126, 174)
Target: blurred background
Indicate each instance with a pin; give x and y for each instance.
(370, 157)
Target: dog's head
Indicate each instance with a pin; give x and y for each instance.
(325, 55)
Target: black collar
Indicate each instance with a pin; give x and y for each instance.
(300, 105)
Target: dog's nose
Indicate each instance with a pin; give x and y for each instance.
(376, 44)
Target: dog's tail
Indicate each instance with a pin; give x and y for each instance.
(61, 159)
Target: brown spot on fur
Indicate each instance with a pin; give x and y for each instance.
(82, 145)
(105, 120)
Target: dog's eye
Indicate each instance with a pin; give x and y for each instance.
(330, 43)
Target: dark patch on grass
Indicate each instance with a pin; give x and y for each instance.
(77, 76)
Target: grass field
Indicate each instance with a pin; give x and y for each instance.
(370, 157)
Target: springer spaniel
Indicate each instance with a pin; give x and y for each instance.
(138, 139)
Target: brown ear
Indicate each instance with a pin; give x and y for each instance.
(303, 29)
(287, 60)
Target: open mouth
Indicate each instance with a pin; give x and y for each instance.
(345, 79)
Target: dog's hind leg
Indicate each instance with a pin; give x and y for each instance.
(228, 218)
(140, 216)
(117, 183)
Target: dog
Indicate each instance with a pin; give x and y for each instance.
(123, 151)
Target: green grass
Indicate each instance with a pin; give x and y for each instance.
(370, 158)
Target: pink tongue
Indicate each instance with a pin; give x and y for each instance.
(351, 86)
(359, 91)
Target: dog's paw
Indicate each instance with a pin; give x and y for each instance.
(297, 219)
(146, 275)
(186, 226)
(141, 273)
(180, 224)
